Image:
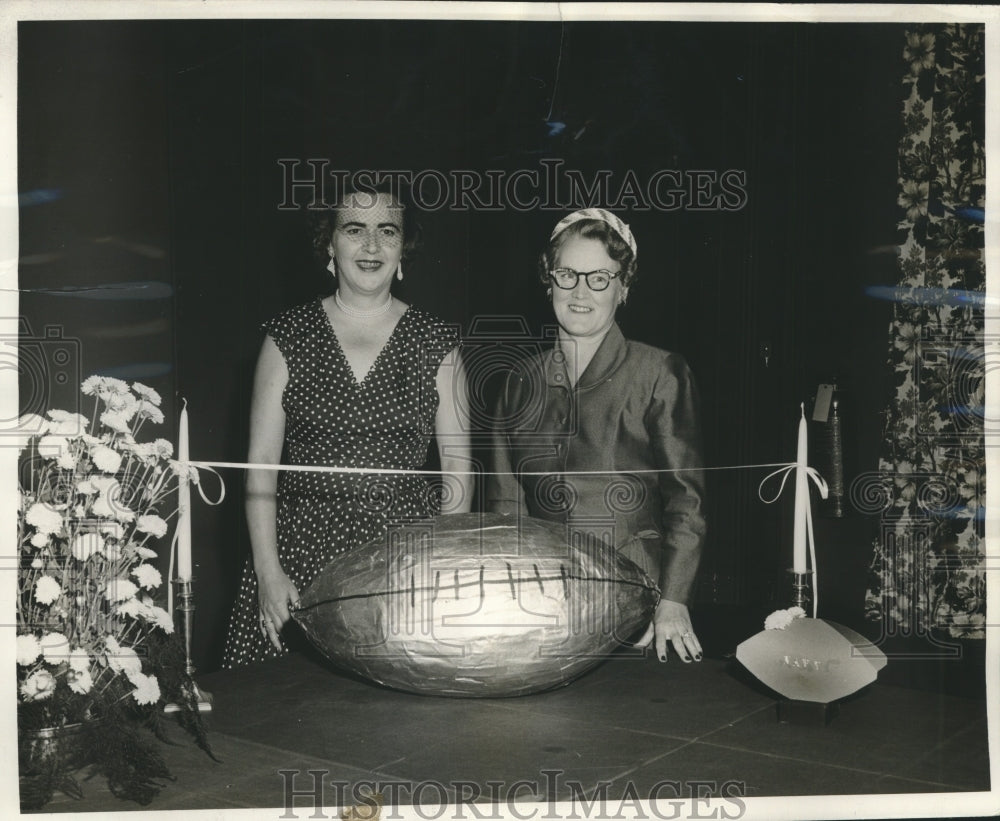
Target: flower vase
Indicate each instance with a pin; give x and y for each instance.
(68, 748)
(49, 759)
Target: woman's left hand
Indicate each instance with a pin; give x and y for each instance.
(672, 623)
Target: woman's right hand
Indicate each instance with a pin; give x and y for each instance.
(275, 596)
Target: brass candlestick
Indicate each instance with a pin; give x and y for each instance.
(801, 589)
(185, 606)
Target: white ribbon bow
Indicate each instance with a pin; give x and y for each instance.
(824, 491)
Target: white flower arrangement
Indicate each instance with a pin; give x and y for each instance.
(780, 619)
(92, 645)
(93, 499)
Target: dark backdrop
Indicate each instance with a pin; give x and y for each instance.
(158, 146)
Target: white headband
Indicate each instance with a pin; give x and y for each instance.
(603, 216)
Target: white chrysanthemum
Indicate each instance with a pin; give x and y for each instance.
(184, 470)
(40, 539)
(147, 576)
(132, 607)
(79, 681)
(122, 512)
(116, 421)
(106, 459)
(151, 524)
(120, 590)
(67, 460)
(161, 618)
(28, 649)
(146, 393)
(109, 386)
(44, 518)
(90, 385)
(122, 659)
(106, 485)
(86, 487)
(145, 552)
(67, 424)
(31, 424)
(55, 647)
(52, 446)
(47, 590)
(79, 659)
(109, 505)
(147, 689)
(102, 507)
(38, 685)
(124, 404)
(113, 530)
(147, 410)
(164, 448)
(780, 619)
(37, 563)
(86, 545)
(145, 451)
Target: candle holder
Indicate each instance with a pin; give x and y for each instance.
(801, 589)
(185, 605)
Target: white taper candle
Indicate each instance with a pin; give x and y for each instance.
(184, 570)
(801, 497)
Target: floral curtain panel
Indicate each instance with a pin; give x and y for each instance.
(928, 573)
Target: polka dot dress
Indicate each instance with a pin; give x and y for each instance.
(385, 421)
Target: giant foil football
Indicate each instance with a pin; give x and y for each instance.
(470, 605)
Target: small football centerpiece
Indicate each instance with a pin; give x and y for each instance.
(476, 605)
(812, 662)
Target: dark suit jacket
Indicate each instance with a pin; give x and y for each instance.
(634, 408)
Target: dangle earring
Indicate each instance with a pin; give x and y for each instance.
(548, 292)
(399, 271)
(331, 266)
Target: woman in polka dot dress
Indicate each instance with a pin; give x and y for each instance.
(356, 380)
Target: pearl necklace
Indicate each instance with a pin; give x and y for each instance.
(361, 313)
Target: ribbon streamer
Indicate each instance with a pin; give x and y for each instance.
(786, 469)
(328, 469)
(173, 541)
(824, 491)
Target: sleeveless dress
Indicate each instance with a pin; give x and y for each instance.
(331, 419)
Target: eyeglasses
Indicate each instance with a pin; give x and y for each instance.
(567, 278)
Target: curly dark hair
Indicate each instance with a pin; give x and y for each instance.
(323, 222)
(616, 247)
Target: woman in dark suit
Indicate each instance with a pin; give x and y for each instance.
(602, 433)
